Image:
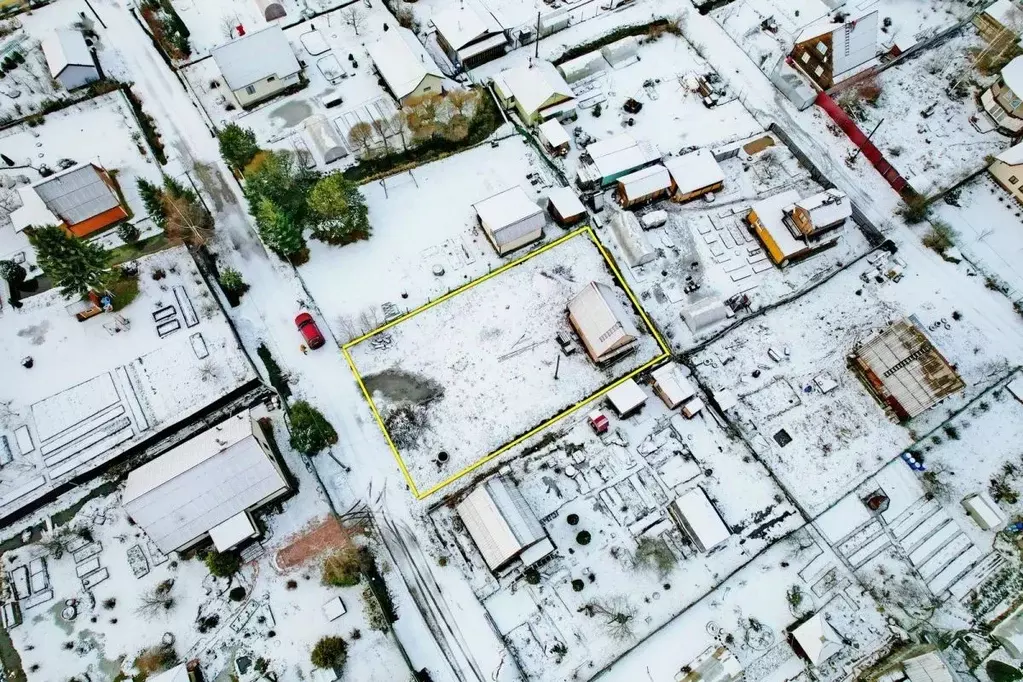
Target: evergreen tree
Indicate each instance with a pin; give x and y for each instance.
(73, 264)
(278, 179)
(339, 213)
(176, 190)
(12, 272)
(152, 198)
(128, 233)
(237, 146)
(277, 229)
(310, 430)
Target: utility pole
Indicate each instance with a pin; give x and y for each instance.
(537, 53)
(557, 367)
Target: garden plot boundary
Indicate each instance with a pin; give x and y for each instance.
(619, 279)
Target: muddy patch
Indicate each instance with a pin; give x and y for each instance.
(290, 114)
(36, 333)
(398, 386)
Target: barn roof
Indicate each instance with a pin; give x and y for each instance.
(253, 57)
(64, 48)
(601, 319)
(399, 64)
(499, 521)
(694, 170)
(506, 208)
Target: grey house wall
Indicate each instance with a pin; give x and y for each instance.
(75, 76)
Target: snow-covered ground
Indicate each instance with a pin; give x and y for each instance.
(279, 618)
(98, 387)
(477, 370)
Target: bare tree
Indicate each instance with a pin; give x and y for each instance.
(156, 601)
(399, 124)
(354, 17)
(382, 128)
(360, 135)
(227, 26)
(187, 220)
(463, 101)
(617, 614)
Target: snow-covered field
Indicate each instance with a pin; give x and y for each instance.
(98, 387)
(483, 367)
(421, 219)
(988, 226)
(926, 133)
(279, 618)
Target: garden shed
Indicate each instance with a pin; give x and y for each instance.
(626, 398)
(983, 510)
(324, 139)
(271, 9)
(564, 206)
(554, 137)
(694, 174)
(502, 525)
(816, 639)
(642, 186)
(670, 386)
(510, 219)
(69, 59)
(699, 520)
(602, 322)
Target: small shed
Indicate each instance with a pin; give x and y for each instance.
(692, 408)
(928, 667)
(324, 139)
(510, 219)
(642, 186)
(626, 398)
(271, 9)
(582, 67)
(554, 137)
(703, 314)
(602, 322)
(694, 174)
(502, 525)
(564, 206)
(983, 510)
(699, 520)
(822, 211)
(69, 59)
(631, 237)
(816, 640)
(670, 386)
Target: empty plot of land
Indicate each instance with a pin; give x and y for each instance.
(473, 372)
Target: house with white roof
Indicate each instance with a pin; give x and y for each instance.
(822, 211)
(816, 640)
(699, 520)
(258, 66)
(404, 65)
(69, 59)
(564, 206)
(206, 487)
(466, 38)
(510, 219)
(829, 51)
(694, 174)
(1007, 170)
(605, 161)
(643, 186)
(538, 92)
(503, 526)
(1003, 101)
(602, 322)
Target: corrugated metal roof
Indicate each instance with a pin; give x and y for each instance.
(252, 58)
(500, 522)
(694, 170)
(77, 194)
(645, 182)
(601, 319)
(201, 483)
(927, 667)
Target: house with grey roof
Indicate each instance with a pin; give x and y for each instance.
(82, 199)
(258, 66)
(69, 59)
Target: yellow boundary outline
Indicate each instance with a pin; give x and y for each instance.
(588, 231)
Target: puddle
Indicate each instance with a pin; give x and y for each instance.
(292, 113)
(35, 333)
(398, 386)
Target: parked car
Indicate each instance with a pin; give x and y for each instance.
(310, 332)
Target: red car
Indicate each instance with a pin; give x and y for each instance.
(310, 332)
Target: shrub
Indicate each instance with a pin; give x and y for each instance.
(341, 569)
(583, 538)
(236, 593)
(915, 210)
(1002, 672)
(310, 430)
(940, 238)
(654, 554)
(128, 233)
(329, 652)
(223, 564)
(232, 281)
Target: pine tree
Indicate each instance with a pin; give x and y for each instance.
(277, 229)
(128, 233)
(339, 213)
(12, 272)
(237, 146)
(73, 264)
(152, 199)
(310, 430)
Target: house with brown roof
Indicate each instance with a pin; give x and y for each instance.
(82, 199)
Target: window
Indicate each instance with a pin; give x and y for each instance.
(271, 79)
(822, 48)
(806, 57)
(819, 71)
(1013, 179)
(1015, 102)
(250, 90)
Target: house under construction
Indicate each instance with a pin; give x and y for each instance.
(904, 371)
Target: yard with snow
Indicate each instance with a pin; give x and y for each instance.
(479, 369)
(96, 388)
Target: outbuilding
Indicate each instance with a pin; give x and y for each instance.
(636, 248)
(554, 137)
(258, 66)
(816, 640)
(604, 326)
(69, 59)
(670, 386)
(626, 398)
(694, 174)
(466, 39)
(565, 207)
(928, 667)
(510, 219)
(820, 212)
(206, 486)
(699, 520)
(406, 68)
(271, 9)
(605, 161)
(983, 510)
(502, 525)
(83, 200)
(325, 140)
(536, 91)
(643, 186)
